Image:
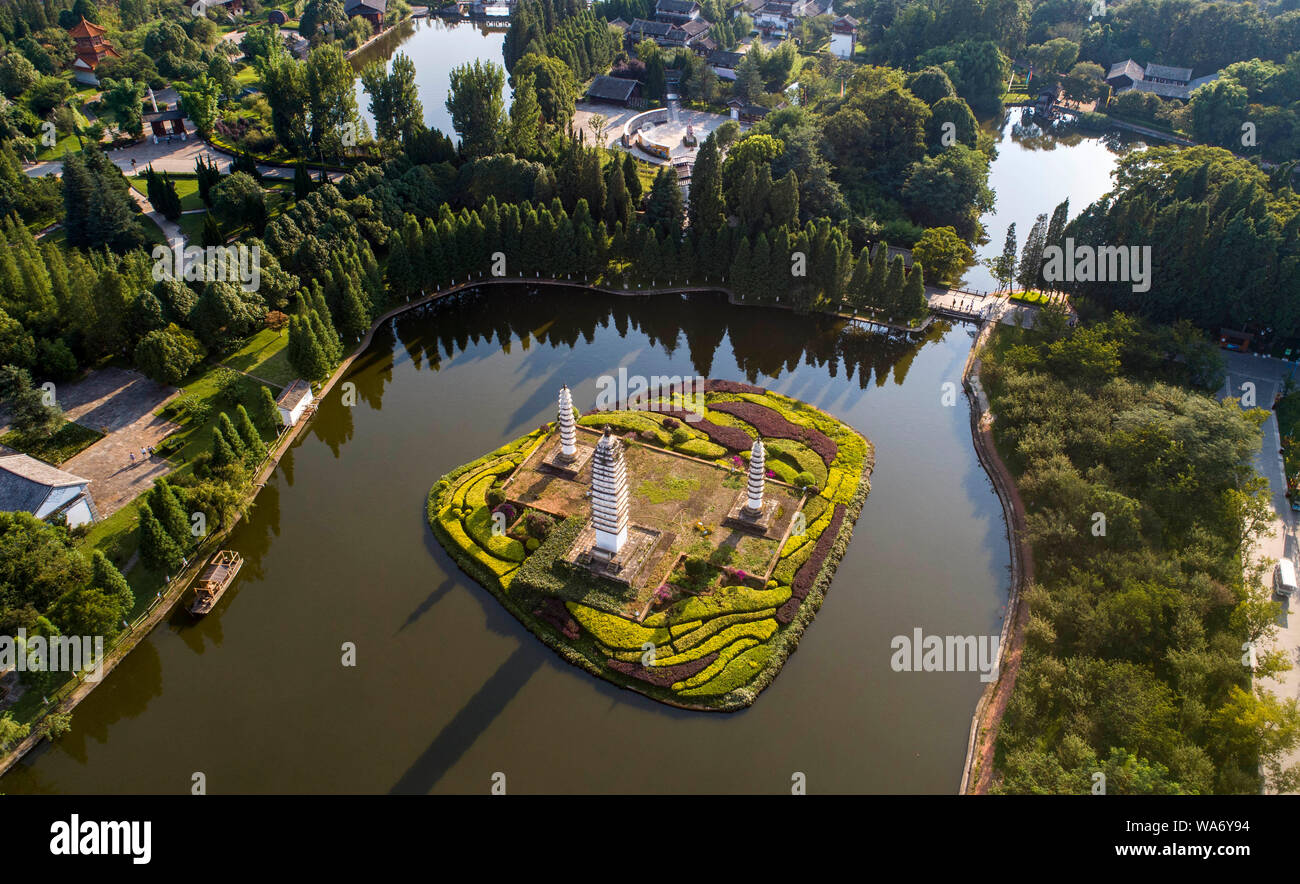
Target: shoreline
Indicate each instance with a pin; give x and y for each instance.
(977, 772)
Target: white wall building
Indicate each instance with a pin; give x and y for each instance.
(293, 402)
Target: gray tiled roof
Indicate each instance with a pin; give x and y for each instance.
(26, 482)
(1165, 72)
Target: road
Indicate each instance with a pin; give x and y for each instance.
(1263, 377)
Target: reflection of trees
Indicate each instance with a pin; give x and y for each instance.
(765, 341)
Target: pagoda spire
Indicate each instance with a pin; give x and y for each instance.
(568, 434)
(757, 476)
(609, 505)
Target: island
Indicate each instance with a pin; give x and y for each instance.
(678, 547)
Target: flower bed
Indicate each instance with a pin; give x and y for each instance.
(770, 424)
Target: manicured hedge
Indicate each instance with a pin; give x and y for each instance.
(759, 629)
(665, 676)
(614, 631)
(725, 600)
(702, 448)
(739, 672)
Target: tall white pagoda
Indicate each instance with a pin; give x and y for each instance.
(757, 477)
(609, 506)
(568, 433)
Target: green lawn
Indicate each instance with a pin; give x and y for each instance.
(192, 227)
(193, 438)
(265, 355)
(57, 448)
(187, 188)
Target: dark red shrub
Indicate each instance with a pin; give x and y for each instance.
(666, 676)
(771, 425)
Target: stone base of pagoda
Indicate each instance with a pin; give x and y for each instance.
(743, 518)
(623, 567)
(568, 467)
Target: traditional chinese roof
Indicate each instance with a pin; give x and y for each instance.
(611, 89)
(1165, 72)
(86, 30)
(26, 483)
(372, 6)
(676, 7)
(1126, 68)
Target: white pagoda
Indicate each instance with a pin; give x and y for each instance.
(609, 505)
(570, 456)
(757, 477)
(568, 433)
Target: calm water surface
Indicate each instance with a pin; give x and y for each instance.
(449, 688)
(1035, 170)
(436, 46)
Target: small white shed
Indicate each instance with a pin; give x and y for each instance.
(293, 402)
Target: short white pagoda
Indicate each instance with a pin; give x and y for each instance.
(568, 433)
(753, 511)
(757, 477)
(569, 456)
(609, 506)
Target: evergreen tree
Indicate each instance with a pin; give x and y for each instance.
(170, 514)
(913, 303)
(858, 284)
(632, 180)
(893, 296)
(664, 211)
(301, 182)
(707, 210)
(231, 435)
(1004, 266)
(268, 413)
(248, 433)
(618, 205)
(877, 286)
(1031, 257)
(211, 235)
(157, 548)
(110, 581)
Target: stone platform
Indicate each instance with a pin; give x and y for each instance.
(745, 519)
(623, 568)
(568, 467)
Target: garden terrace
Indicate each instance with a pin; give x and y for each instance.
(722, 608)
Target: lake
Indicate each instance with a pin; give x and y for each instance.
(448, 688)
(436, 46)
(1035, 170)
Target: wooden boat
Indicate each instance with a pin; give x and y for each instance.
(214, 580)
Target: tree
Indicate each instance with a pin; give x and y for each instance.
(268, 413)
(322, 18)
(664, 206)
(556, 88)
(331, 100)
(211, 234)
(167, 355)
(749, 75)
(167, 509)
(476, 106)
(1004, 266)
(28, 412)
(200, 101)
(239, 200)
(525, 117)
(248, 433)
(912, 301)
(284, 83)
(632, 180)
(707, 211)
(1031, 257)
(305, 351)
(1085, 82)
(157, 548)
(17, 74)
(943, 252)
(394, 98)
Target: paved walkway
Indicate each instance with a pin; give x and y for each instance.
(121, 404)
(178, 156)
(1268, 375)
